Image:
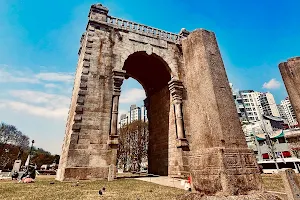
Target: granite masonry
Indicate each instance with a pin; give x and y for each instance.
(290, 72)
(194, 126)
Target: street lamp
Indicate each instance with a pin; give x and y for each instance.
(32, 142)
(271, 147)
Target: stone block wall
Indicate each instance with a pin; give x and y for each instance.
(290, 72)
(219, 159)
(86, 153)
(159, 109)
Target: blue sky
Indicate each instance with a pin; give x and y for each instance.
(39, 41)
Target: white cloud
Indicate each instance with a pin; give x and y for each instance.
(38, 103)
(57, 77)
(33, 102)
(51, 85)
(36, 97)
(132, 96)
(272, 84)
(8, 74)
(15, 77)
(47, 112)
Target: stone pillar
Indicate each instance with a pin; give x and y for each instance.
(176, 91)
(291, 184)
(118, 77)
(86, 153)
(146, 104)
(219, 160)
(290, 72)
(98, 13)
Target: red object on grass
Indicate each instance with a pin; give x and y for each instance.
(189, 180)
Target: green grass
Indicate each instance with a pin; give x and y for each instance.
(118, 189)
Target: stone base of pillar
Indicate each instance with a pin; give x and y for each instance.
(256, 196)
(113, 141)
(225, 171)
(83, 173)
(182, 143)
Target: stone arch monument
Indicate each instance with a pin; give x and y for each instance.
(193, 123)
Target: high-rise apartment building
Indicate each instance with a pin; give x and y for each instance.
(239, 104)
(268, 104)
(257, 104)
(287, 112)
(135, 113)
(251, 102)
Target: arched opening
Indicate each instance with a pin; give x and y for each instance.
(153, 74)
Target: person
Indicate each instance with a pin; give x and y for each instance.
(15, 175)
(29, 174)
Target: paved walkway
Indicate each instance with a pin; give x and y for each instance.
(163, 180)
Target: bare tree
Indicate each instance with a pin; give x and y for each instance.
(10, 136)
(133, 145)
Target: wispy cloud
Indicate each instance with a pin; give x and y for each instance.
(132, 96)
(56, 77)
(15, 77)
(8, 74)
(37, 103)
(50, 105)
(272, 84)
(47, 112)
(51, 85)
(36, 97)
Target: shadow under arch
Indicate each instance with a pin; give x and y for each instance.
(153, 73)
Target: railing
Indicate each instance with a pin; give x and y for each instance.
(143, 29)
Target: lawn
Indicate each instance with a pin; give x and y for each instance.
(273, 182)
(122, 188)
(118, 189)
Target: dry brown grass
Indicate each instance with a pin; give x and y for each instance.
(273, 182)
(119, 189)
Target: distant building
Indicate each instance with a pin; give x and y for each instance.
(251, 102)
(124, 119)
(293, 138)
(281, 146)
(239, 105)
(281, 111)
(135, 113)
(287, 112)
(258, 104)
(268, 104)
(277, 123)
(144, 114)
(252, 129)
